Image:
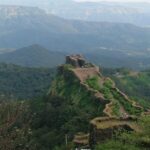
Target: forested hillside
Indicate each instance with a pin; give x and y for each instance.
(47, 122)
(24, 83)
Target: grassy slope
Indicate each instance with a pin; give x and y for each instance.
(110, 93)
(137, 87)
(68, 86)
(134, 84)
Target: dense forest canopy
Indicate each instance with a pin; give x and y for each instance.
(24, 83)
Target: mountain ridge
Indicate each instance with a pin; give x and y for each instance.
(33, 56)
(105, 11)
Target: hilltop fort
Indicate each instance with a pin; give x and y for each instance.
(77, 61)
(84, 86)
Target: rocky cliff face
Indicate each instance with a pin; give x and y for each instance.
(135, 13)
(8, 12)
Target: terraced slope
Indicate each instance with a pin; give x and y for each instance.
(120, 105)
(84, 86)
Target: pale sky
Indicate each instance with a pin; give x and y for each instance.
(113, 0)
(40, 3)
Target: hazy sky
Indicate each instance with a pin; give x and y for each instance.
(41, 3)
(113, 0)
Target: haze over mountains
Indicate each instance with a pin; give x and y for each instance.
(23, 26)
(137, 13)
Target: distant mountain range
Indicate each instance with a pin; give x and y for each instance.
(104, 43)
(38, 56)
(33, 56)
(135, 13)
(22, 26)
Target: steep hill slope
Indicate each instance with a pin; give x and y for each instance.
(82, 85)
(135, 83)
(88, 78)
(33, 56)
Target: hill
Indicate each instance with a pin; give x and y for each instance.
(85, 107)
(83, 86)
(33, 56)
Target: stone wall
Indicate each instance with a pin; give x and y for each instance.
(104, 128)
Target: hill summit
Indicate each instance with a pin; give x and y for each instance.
(33, 56)
(108, 109)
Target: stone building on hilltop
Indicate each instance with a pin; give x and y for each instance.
(78, 61)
